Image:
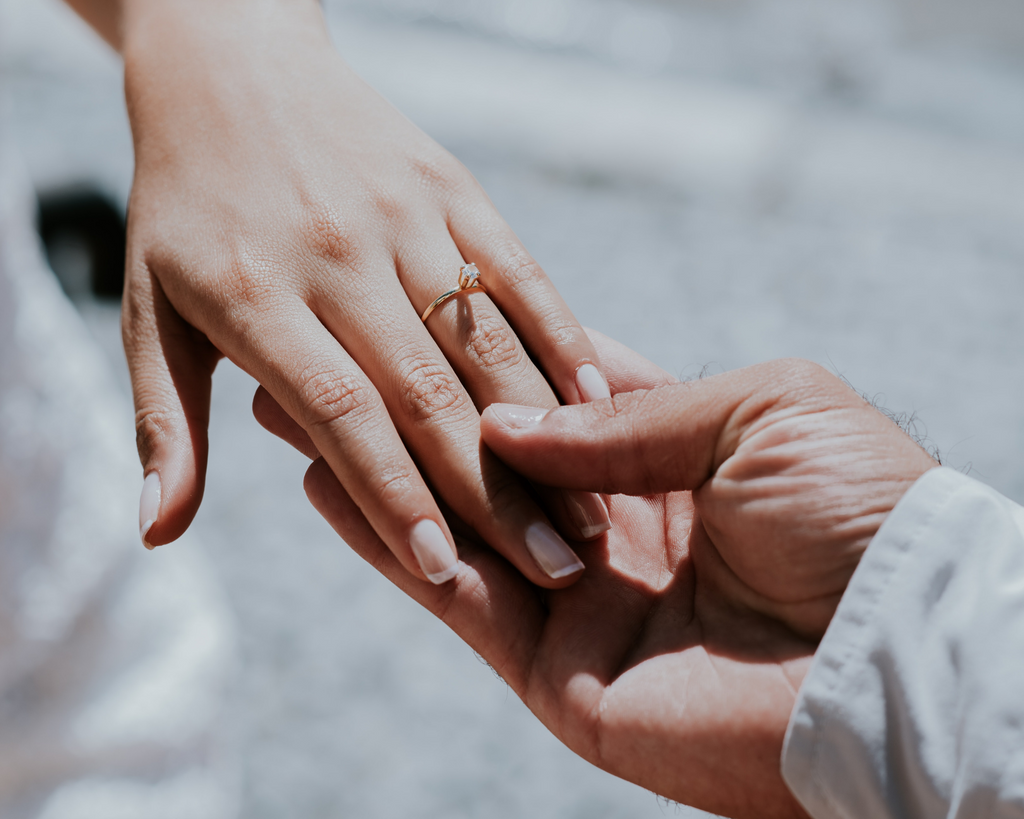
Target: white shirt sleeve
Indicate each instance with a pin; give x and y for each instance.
(914, 704)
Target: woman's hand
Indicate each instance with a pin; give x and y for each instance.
(287, 217)
(676, 659)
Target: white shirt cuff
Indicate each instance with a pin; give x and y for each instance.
(912, 705)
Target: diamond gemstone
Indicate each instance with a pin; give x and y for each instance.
(470, 274)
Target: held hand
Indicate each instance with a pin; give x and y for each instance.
(287, 217)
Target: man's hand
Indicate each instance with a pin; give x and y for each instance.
(792, 473)
(676, 659)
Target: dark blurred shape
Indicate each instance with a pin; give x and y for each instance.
(84, 236)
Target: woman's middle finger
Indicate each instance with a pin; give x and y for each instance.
(439, 424)
(486, 354)
(467, 327)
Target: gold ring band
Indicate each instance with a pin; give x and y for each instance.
(469, 279)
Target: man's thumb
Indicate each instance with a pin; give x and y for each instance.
(666, 439)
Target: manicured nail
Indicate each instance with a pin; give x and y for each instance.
(588, 512)
(591, 383)
(552, 554)
(149, 506)
(517, 417)
(433, 552)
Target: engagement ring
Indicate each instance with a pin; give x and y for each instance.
(469, 279)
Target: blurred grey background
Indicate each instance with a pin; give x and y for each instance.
(714, 183)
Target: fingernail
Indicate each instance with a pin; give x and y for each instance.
(591, 383)
(552, 554)
(149, 506)
(433, 552)
(517, 417)
(588, 512)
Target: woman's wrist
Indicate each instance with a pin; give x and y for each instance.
(157, 35)
(187, 66)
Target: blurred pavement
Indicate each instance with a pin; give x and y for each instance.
(711, 184)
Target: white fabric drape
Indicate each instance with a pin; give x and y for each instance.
(114, 662)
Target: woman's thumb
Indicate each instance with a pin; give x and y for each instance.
(171, 369)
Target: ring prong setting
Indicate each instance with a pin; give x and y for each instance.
(469, 279)
(469, 276)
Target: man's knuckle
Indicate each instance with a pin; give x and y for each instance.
(802, 368)
(797, 380)
(633, 443)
